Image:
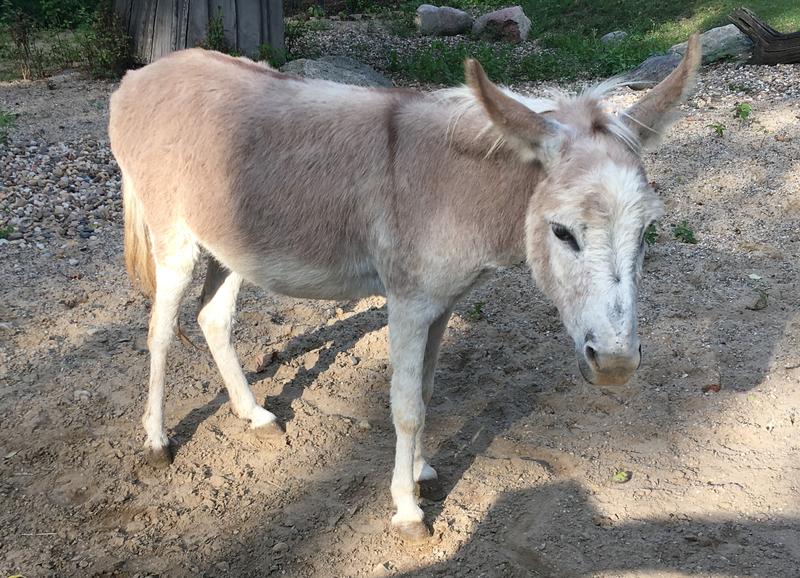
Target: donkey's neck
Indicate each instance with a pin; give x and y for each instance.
(473, 191)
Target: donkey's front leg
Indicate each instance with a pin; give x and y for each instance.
(424, 474)
(409, 322)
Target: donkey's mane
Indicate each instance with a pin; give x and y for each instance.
(587, 106)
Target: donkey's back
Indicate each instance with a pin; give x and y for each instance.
(265, 171)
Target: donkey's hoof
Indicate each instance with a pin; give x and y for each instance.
(159, 457)
(432, 490)
(414, 531)
(271, 431)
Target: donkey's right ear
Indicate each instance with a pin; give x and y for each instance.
(526, 131)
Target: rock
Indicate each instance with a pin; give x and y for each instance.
(280, 547)
(509, 24)
(652, 71)
(442, 21)
(613, 37)
(338, 69)
(382, 569)
(81, 395)
(719, 43)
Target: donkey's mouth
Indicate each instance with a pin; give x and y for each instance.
(615, 375)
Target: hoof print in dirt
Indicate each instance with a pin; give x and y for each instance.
(271, 432)
(412, 532)
(160, 457)
(432, 490)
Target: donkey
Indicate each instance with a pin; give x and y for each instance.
(315, 189)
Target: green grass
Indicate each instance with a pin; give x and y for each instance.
(570, 31)
(6, 122)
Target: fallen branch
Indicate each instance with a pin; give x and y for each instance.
(769, 45)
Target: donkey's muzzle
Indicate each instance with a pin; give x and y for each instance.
(600, 367)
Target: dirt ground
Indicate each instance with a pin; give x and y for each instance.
(525, 449)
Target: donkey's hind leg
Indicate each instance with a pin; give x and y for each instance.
(173, 274)
(217, 308)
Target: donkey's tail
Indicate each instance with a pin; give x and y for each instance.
(138, 254)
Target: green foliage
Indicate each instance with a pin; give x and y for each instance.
(475, 313)
(105, 48)
(316, 11)
(215, 38)
(684, 233)
(101, 46)
(719, 128)
(50, 14)
(742, 111)
(5, 232)
(275, 57)
(651, 234)
(621, 476)
(6, 123)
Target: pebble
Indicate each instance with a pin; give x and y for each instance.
(280, 547)
(81, 395)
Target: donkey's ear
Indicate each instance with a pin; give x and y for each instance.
(652, 115)
(532, 135)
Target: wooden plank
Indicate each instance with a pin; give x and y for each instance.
(248, 20)
(142, 21)
(182, 24)
(164, 28)
(123, 9)
(272, 23)
(197, 29)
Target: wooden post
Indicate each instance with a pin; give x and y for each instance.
(158, 27)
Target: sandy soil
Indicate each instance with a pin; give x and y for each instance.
(525, 449)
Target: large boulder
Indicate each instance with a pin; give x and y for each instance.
(509, 24)
(338, 69)
(722, 42)
(652, 71)
(442, 21)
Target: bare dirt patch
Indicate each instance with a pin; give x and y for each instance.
(525, 449)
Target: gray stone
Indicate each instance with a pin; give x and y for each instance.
(442, 21)
(652, 71)
(509, 24)
(338, 69)
(613, 37)
(719, 43)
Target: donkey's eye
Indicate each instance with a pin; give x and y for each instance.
(564, 234)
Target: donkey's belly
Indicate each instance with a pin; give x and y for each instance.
(287, 276)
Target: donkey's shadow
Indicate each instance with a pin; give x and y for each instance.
(343, 334)
(554, 530)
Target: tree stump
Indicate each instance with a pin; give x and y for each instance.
(769, 45)
(158, 27)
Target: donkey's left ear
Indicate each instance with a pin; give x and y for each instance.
(652, 115)
(526, 131)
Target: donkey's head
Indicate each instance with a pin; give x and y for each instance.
(587, 219)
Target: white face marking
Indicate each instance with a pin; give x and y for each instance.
(594, 244)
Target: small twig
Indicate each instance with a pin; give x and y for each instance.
(41, 534)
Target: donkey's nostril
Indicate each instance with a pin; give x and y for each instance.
(591, 356)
